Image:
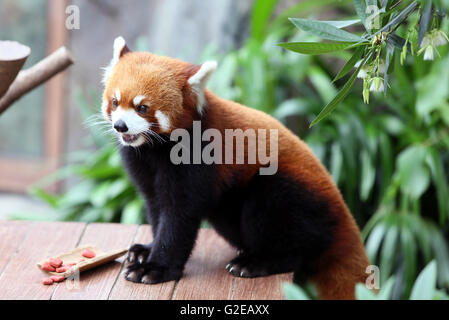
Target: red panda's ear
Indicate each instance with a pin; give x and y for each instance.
(120, 49)
(198, 82)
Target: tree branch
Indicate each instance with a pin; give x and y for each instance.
(29, 79)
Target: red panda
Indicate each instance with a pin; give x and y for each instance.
(292, 220)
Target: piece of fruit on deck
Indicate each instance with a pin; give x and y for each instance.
(55, 262)
(57, 278)
(88, 253)
(48, 267)
(47, 281)
(62, 269)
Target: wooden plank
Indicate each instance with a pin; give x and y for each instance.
(21, 278)
(126, 290)
(97, 283)
(12, 234)
(261, 288)
(205, 275)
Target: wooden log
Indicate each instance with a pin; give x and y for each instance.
(36, 75)
(12, 58)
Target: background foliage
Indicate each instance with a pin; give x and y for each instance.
(389, 158)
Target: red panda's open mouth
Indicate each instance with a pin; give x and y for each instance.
(130, 138)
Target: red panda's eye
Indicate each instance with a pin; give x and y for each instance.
(114, 103)
(142, 109)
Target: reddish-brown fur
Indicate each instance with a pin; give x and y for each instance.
(164, 82)
(345, 262)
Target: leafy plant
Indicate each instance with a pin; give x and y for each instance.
(424, 288)
(380, 40)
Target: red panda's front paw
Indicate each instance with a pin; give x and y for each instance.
(138, 253)
(147, 274)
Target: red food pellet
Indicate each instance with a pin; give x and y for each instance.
(48, 267)
(55, 262)
(57, 278)
(62, 269)
(71, 264)
(88, 253)
(47, 281)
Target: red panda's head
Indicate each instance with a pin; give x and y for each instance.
(146, 94)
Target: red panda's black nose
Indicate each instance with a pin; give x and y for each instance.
(120, 126)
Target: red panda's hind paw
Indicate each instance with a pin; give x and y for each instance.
(245, 267)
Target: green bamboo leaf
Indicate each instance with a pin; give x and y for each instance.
(388, 253)
(336, 161)
(322, 84)
(388, 56)
(432, 89)
(341, 24)
(422, 234)
(292, 107)
(367, 176)
(413, 172)
(90, 215)
(315, 47)
(425, 285)
(294, 292)
(50, 199)
(303, 8)
(99, 196)
(386, 290)
(261, 14)
(324, 30)
(338, 98)
(409, 248)
(387, 161)
(426, 15)
(441, 251)
(132, 213)
(374, 241)
(439, 178)
(360, 8)
(350, 64)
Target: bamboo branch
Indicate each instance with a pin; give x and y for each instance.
(29, 79)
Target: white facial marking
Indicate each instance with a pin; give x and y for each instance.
(104, 106)
(163, 120)
(138, 99)
(199, 81)
(135, 123)
(117, 94)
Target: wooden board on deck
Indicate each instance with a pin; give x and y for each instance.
(24, 243)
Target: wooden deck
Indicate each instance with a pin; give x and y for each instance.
(23, 244)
